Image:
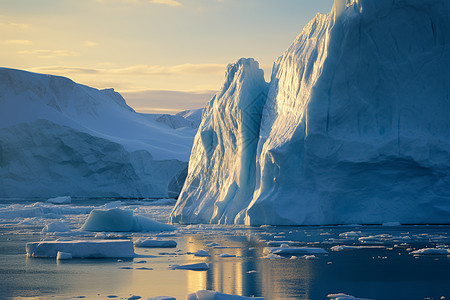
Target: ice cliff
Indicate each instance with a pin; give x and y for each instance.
(355, 127)
(62, 138)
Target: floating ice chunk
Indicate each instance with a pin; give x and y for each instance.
(55, 227)
(63, 255)
(375, 239)
(350, 235)
(202, 253)
(134, 297)
(342, 296)
(432, 251)
(60, 200)
(310, 257)
(100, 235)
(82, 248)
(113, 204)
(294, 250)
(273, 256)
(162, 298)
(14, 211)
(345, 247)
(212, 244)
(192, 267)
(121, 220)
(155, 243)
(227, 255)
(212, 295)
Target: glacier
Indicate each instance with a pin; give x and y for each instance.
(353, 127)
(58, 137)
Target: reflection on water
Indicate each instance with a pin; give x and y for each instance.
(383, 274)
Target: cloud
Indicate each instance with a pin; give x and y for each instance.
(140, 70)
(49, 53)
(18, 42)
(166, 2)
(90, 44)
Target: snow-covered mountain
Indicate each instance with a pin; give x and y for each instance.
(62, 138)
(355, 126)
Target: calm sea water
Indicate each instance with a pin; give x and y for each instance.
(384, 273)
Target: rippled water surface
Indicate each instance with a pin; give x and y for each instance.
(388, 271)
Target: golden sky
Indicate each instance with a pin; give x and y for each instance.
(151, 51)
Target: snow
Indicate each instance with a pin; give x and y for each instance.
(82, 248)
(431, 251)
(154, 243)
(60, 200)
(354, 128)
(212, 295)
(62, 138)
(116, 219)
(192, 267)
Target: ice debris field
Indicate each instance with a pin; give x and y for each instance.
(81, 240)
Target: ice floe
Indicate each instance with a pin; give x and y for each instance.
(82, 248)
(212, 295)
(154, 243)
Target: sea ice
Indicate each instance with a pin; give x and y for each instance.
(121, 220)
(293, 250)
(154, 243)
(202, 253)
(55, 227)
(192, 267)
(431, 251)
(60, 200)
(342, 296)
(82, 248)
(346, 248)
(212, 295)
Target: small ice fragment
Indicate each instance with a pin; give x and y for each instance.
(60, 200)
(55, 227)
(162, 298)
(212, 295)
(63, 255)
(100, 235)
(154, 243)
(134, 297)
(202, 253)
(192, 267)
(310, 257)
(273, 256)
(432, 251)
(227, 255)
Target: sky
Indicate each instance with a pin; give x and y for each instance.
(163, 56)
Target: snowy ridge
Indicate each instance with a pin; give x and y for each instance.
(355, 126)
(62, 138)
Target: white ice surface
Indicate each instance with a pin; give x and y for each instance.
(192, 267)
(154, 243)
(82, 248)
(354, 128)
(116, 219)
(60, 200)
(58, 137)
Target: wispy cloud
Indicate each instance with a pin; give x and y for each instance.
(142, 70)
(90, 44)
(166, 2)
(18, 42)
(49, 53)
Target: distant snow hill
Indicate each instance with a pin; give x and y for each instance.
(354, 126)
(58, 137)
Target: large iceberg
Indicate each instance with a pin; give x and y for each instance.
(62, 138)
(355, 127)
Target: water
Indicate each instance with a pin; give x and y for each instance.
(385, 273)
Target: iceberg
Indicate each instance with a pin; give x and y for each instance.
(81, 249)
(120, 220)
(58, 137)
(353, 127)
